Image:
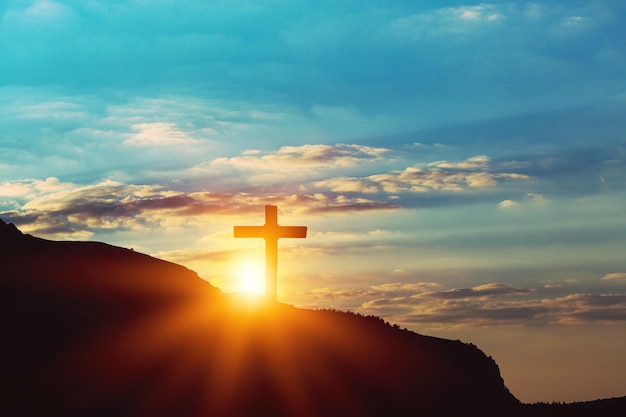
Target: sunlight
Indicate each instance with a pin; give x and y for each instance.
(250, 277)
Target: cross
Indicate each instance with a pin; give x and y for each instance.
(271, 232)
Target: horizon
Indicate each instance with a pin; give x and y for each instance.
(461, 167)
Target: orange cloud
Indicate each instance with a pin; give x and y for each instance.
(615, 276)
(65, 210)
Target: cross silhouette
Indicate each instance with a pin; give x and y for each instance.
(271, 232)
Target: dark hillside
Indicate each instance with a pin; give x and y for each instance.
(57, 296)
(609, 407)
(89, 329)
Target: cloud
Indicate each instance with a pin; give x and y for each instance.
(13, 189)
(451, 315)
(397, 289)
(335, 61)
(293, 158)
(579, 308)
(45, 9)
(40, 15)
(480, 291)
(49, 111)
(475, 162)
(158, 134)
(432, 306)
(65, 209)
(348, 185)
(53, 208)
(445, 176)
(531, 198)
(615, 276)
(535, 197)
(425, 292)
(31, 188)
(291, 167)
(343, 204)
(287, 177)
(505, 204)
(461, 20)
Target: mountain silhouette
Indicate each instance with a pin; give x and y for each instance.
(90, 329)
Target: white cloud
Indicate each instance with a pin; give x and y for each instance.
(33, 188)
(13, 189)
(347, 185)
(475, 162)
(482, 12)
(572, 22)
(530, 198)
(40, 15)
(45, 9)
(49, 110)
(468, 14)
(445, 176)
(158, 134)
(295, 159)
(461, 20)
(535, 197)
(507, 204)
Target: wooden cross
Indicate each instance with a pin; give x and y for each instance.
(271, 232)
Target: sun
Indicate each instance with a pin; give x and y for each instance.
(250, 278)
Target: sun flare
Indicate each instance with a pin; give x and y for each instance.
(250, 278)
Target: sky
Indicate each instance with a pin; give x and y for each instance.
(461, 166)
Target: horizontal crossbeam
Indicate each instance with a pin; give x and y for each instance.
(271, 232)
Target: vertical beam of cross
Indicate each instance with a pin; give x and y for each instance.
(271, 232)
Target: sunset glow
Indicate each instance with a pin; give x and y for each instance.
(250, 277)
(460, 166)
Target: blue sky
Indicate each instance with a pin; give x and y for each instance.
(461, 166)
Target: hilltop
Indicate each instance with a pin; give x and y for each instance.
(97, 330)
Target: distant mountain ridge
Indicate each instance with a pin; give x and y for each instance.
(91, 329)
